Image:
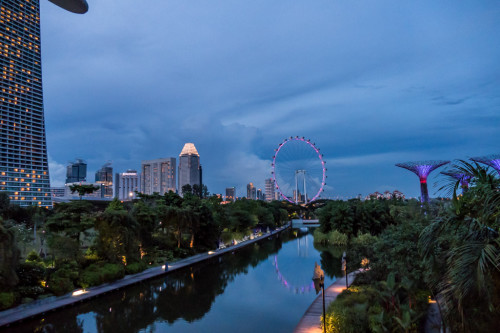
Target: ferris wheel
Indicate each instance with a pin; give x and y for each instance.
(299, 171)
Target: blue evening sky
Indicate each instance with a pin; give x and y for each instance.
(372, 83)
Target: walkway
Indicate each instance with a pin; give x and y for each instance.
(37, 308)
(311, 321)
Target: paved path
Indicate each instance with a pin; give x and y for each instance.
(311, 321)
(40, 307)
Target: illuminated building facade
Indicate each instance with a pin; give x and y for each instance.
(422, 170)
(189, 166)
(24, 170)
(251, 192)
(230, 194)
(104, 176)
(269, 189)
(158, 175)
(127, 184)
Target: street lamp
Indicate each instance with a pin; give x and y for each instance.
(344, 268)
(319, 284)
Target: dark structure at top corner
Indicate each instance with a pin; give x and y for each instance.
(74, 6)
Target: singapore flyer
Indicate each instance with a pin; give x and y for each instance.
(298, 170)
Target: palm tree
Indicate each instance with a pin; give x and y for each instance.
(462, 248)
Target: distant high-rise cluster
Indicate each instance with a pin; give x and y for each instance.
(269, 188)
(230, 194)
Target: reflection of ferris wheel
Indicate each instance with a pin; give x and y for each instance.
(299, 171)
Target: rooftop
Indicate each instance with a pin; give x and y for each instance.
(189, 149)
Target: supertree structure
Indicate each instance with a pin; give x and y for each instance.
(422, 169)
(464, 178)
(490, 160)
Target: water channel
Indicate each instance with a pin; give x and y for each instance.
(264, 287)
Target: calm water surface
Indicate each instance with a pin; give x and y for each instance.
(265, 287)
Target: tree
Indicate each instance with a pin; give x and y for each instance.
(9, 258)
(71, 219)
(117, 240)
(462, 250)
(186, 189)
(83, 189)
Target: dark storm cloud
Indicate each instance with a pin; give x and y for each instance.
(372, 83)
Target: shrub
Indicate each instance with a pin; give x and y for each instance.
(320, 237)
(30, 291)
(7, 300)
(135, 267)
(60, 285)
(30, 273)
(97, 274)
(337, 238)
(33, 256)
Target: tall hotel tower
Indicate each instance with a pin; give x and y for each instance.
(158, 176)
(24, 171)
(189, 166)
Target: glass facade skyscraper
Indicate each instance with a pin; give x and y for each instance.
(189, 167)
(24, 172)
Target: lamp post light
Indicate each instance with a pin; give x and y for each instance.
(344, 268)
(319, 284)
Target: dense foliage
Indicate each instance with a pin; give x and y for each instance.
(84, 243)
(447, 250)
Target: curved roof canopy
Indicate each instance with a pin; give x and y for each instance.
(74, 6)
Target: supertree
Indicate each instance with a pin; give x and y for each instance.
(464, 178)
(422, 169)
(490, 160)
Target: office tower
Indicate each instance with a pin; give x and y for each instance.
(104, 176)
(57, 192)
(158, 175)
(189, 166)
(24, 171)
(126, 184)
(230, 194)
(260, 195)
(269, 189)
(251, 192)
(76, 172)
(422, 170)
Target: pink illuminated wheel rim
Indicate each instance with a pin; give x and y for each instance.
(298, 167)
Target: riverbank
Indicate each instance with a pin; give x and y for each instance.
(311, 321)
(39, 308)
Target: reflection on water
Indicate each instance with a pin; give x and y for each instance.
(220, 294)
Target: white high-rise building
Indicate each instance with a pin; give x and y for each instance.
(269, 189)
(127, 184)
(158, 176)
(189, 166)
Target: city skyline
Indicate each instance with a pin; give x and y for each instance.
(371, 85)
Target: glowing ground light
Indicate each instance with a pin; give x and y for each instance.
(79, 292)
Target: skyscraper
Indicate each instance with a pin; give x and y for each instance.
(24, 170)
(189, 166)
(230, 194)
(158, 175)
(104, 176)
(76, 172)
(126, 184)
(251, 191)
(269, 189)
